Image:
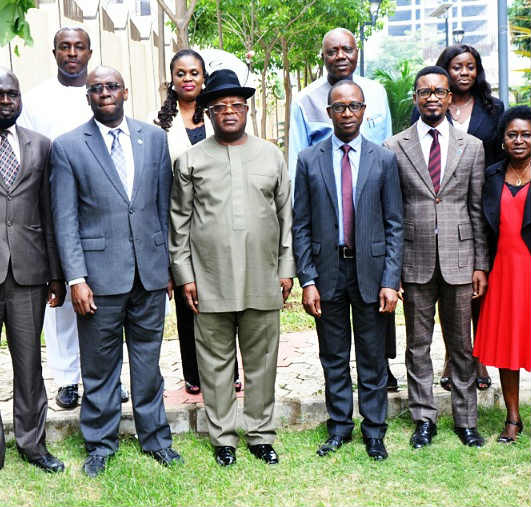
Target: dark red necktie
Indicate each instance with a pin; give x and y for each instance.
(346, 194)
(434, 165)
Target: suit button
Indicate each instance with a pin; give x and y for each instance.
(131, 211)
(9, 223)
(8, 197)
(437, 200)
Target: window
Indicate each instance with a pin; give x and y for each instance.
(399, 30)
(473, 10)
(401, 16)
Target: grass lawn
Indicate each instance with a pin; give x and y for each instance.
(447, 473)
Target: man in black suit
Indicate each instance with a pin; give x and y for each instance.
(30, 274)
(347, 238)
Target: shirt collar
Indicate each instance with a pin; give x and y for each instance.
(355, 144)
(12, 130)
(424, 128)
(105, 130)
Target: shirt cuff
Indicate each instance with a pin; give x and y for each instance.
(75, 281)
(309, 282)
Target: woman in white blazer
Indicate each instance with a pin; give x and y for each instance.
(185, 124)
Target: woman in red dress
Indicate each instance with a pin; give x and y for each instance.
(504, 330)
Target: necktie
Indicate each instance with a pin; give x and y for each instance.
(9, 165)
(118, 157)
(346, 194)
(434, 165)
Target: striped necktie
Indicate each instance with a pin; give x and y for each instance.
(9, 165)
(434, 165)
(118, 157)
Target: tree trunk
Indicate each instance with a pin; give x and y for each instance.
(305, 75)
(263, 120)
(253, 116)
(298, 80)
(181, 29)
(220, 26)
(287, 92)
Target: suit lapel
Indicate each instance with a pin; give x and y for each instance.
(456, 145)
(492, 191)
(137, 143)
(476, 118)
(410, 145)
(327, 172)
(366, 161)
(97, 146)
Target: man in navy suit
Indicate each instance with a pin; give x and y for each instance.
(111, 180)
(347, 238)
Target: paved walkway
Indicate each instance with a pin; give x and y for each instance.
(299, 388)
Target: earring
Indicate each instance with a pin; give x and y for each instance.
(503, 146)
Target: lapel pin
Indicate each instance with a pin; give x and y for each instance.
(139, 141)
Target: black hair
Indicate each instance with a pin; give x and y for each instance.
(432, 69)
(481, 89)
(69, 29)
(341, 83)
(168, 110)
(513, 113)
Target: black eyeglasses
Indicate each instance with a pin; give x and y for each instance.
(353, 107)
(99, 87)
(237, 107)
(424, 93)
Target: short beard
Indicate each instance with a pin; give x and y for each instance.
(432, 118)
(5, 123)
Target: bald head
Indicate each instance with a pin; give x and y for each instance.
(340, 54)
(71, 49)
(106, 95)
(80, 31)
(10, 101)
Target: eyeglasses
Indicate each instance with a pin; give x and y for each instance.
(353, 107)
(334, 51)
(221, 108)
(99, 87)
(424, 93)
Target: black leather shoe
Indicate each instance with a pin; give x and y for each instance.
(470, 437)
(375, 448)
(225, 455)
(94, 465)
(167, 457)
(46, 461)
(423, 434)
(265, 452)
(124, 395)
(392, 383)
(67, 396)
(333, 443)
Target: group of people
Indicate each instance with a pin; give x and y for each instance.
(116, 215)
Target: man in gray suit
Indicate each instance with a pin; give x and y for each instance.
(30, 274)
(347, 239)
(445, 253)
(111, 180)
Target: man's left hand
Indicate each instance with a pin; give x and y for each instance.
(286, 284)
(56, 293)
(388, 299)
(479, 284)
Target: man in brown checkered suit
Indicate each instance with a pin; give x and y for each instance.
(445, 255)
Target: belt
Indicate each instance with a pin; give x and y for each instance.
(345, 252)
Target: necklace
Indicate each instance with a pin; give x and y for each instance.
(457, 112)
(519, 175)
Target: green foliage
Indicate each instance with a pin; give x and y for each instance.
(399, 88)
(520, 23)
(13, 21)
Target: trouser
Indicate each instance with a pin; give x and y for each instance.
(22, 312)
(258, 336)
(185, 330)
(62, 344)
(454, 314)
(335, 338)
(141, 314)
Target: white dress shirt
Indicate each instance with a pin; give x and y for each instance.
(125, 140)
(426, 139)
(12, 139)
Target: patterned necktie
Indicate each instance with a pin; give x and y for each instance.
(118, 157)
(346, 194)
(9, 165)
(434, 165)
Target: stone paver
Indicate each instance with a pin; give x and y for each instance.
(299, 388)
